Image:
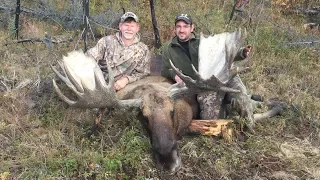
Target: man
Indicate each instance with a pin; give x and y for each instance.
(182, 50)
(128, 57)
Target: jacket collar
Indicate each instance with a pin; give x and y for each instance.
(175, 39)
(136, 39)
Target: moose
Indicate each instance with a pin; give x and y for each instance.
(167, 108)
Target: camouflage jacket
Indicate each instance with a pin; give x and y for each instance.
(131, 61)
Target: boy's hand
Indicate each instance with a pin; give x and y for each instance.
(246, 51)
(177, 79)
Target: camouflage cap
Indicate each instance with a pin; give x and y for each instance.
(185, 17)
(129, 15)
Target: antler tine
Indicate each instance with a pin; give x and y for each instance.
(65, 80)
(227, 89)
(187, 79)
(236, 70)
(63, 97)
(180, 74)
(187, 87)
(99, 79)
(111, 78)
(178, 90)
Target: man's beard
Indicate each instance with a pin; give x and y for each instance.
(184, 38)
(128, 36)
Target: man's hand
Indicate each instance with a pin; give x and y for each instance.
(177, 79)
(246, 51)
(121, 83)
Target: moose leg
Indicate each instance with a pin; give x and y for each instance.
(242, 102)
(237, 83)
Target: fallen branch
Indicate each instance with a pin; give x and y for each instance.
(304, 43)
(37, 13)
(53, 40)
(213, 127)
(209, 127)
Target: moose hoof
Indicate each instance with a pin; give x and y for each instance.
(257, 97)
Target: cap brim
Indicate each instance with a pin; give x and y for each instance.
(184, 19)
(136, 20)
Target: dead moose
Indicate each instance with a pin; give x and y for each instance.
(167, 108)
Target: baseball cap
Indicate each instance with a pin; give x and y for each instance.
(127, 15)
(185, 17)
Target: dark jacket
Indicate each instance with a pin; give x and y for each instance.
(173, 51)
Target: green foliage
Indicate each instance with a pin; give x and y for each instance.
(129, 154)
(52, 113)
(63, 167)
(11, 28)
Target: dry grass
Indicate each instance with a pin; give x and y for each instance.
(41, 138)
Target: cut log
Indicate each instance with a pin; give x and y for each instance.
(211, 127)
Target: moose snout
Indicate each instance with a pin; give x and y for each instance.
(169, 161)
(171, 164)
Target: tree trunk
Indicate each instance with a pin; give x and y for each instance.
(85, 22)
(16, 21)
(155, 26)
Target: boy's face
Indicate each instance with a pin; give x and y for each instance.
(183, 30)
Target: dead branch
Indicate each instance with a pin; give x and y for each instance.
(54, 40)
(310, 43)
(209, 127)
(28, 11)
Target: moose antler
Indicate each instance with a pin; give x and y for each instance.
(84, 77)
(216, 55)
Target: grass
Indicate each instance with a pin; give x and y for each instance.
(42, 138)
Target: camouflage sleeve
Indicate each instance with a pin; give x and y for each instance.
(143, 67)
(97, 52)
(166, 70)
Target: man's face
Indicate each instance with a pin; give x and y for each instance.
(129, 29)
(183, 30)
